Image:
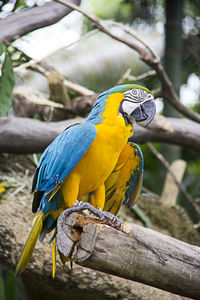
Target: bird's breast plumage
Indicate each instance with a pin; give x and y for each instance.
(101, 158)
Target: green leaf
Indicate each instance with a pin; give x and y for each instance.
(6, 83)
(19, 5)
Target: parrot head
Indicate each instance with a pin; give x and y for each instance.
(138, 105)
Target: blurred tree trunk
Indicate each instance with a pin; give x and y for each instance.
(173, 62)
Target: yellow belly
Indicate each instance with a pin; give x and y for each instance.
(101, 157)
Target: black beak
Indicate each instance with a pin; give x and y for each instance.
(145, 112)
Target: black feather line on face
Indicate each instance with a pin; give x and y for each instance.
(129, 120)
(120, 107)
(135, 95)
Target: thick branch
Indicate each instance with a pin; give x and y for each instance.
(81, 283)
(31, 19)
(147, 56)
(137, 253)
(184, 133)
(24, 135)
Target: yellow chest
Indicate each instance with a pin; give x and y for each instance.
(101, 158)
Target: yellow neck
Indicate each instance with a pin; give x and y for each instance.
(111, 116)
(112, 109)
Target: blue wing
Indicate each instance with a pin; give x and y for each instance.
(60, 158)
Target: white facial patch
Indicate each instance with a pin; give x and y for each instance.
(129, 106)
(133, 99)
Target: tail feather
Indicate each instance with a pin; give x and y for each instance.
(30, 243)
(54, 257)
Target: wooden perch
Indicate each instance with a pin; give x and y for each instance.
(80, 283)
(137, 253)
(18, 24)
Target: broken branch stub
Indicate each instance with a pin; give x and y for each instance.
(136, 253)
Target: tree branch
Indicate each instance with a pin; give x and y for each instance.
(131, 32)
(15, 223)
(150, 59)
(24, 135)
(68, 84)
(127, 76)
(136, 253)
(27, 106)
(18, 24)
(165, 163)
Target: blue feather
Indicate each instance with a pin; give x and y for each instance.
(95, 117)
(54, 204)
(60, 158)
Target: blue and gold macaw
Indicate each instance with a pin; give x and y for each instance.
(92, 161)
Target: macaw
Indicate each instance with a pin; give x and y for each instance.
(91, 161)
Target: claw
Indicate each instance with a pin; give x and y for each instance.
(80, 206)
(113, 218)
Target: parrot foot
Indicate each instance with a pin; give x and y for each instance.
(110, 217)
(80, 206)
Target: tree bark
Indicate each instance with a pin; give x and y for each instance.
(31, 19)
(24, 135)
(136, 253)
